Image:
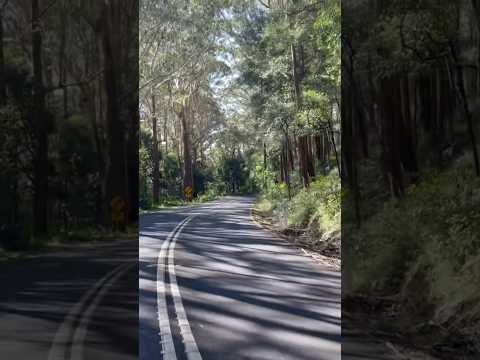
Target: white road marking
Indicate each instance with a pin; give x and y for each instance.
(166, 338)
(81, 330)
(60, 344)
(191, 347)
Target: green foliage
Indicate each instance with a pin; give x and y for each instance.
(319, 204)
(327, 192)
(315, 209)
(10, 138)
(387, 242)
(77, 156)
(233, 173)
(436, 227)
(171, 171)
(77, 187)
(264, 206)
(277, 192)
(217, 188)
(209, 195)
(262, 178)
(266, 41)
(201, 178)
(301, 209)
(17, 71)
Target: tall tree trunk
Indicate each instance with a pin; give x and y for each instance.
(94, 104)
(291, 156)
(303, 157)
(408, 148)
(286, 165)
(466, 108)
(116, 160)
(165, 123)
(3, 88)
(264, 156)
(349, 172)
(391, 134)
(62, 68)
(296, 78)
(187, 156)
(310, 158)
(40, 198)
(318, 148)
(302, 140)
(334, 146)
(133, 162)
(264, 165)
(282, 167)
(476, 7)
(129, 71)
(155, 155)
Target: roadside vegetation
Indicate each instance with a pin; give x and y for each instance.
(299, 179)
(311, 217)
(410, 180)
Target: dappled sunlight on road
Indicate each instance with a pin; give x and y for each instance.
(247, 294)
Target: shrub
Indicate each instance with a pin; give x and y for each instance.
(209, 195)
(315, 209)
(434, 231)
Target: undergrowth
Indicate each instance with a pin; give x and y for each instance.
(313, 212)
(423, 249)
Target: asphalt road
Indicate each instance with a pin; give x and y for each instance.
(215, 286)
(75, 302)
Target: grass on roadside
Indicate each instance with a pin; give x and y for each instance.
(169, 202)
(312, 215)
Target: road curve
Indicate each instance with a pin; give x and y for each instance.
(74, 302)
(231, 290)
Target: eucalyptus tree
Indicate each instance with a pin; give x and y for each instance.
(410, 85)
(288, 55)
(70, 60)
(179, 48)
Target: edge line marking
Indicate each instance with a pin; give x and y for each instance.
(191, 348)
(165, 330)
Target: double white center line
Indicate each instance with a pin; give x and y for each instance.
(70, 337)
(167, 251)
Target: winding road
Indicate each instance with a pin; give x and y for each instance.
(215, 286)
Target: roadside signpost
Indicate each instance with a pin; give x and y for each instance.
(118, 207)
(188, 192)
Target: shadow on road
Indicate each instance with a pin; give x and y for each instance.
(247, 294)
(38, 292)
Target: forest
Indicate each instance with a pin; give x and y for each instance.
(69, 119)
(243, 97)
(410, 174)
(354, 123)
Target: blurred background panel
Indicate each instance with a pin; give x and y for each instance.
(410, 179)
(68, 179)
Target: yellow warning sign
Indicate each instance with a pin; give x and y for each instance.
(119, 207)
(188, 193)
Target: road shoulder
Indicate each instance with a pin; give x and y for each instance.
(262, 222)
